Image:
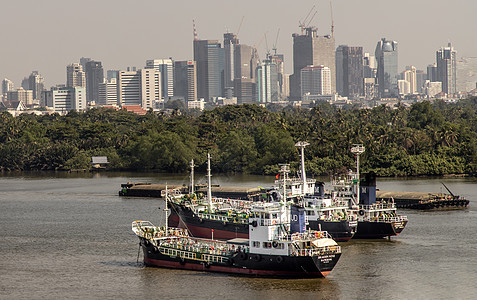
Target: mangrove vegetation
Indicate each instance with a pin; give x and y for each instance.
(426, 138)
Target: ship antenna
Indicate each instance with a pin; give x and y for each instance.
(302, 145)
(357, 149)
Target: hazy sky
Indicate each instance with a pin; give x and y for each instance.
(46, 35)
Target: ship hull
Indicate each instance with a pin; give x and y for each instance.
(378, 230)
(183, 217)
(247, 264)
(340, 231)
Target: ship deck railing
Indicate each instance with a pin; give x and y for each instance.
(391, 219)
(194, 255)
(378, 206)
(326, 250)
(223, 218)
(335, 218)
(223, 203)
(307, 235)
(205, 246)
(334, 205)
(148, 230)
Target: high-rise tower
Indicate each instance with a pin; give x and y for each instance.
(446, 69)
(94, 77)
(311, 49)
(349, 71)
(230, 40)
(7, 86)
(36, 84)
(165, 66)
(185, 80)
(209, 57)
(387, 73)
(75, 75)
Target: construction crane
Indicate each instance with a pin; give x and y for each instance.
(332, 21)
(195, 31)
(308, 24)
(255, 51)
(266, 46)
(276, 41)
(302, 24)
(240, 26)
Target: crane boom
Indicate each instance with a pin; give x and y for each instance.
(240, 26)
(332, 21)
(276, 41)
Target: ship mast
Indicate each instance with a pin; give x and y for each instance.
(302, 145)
(285, 169)
(192, 177)
(209, 187)
(166, 209)
(357, 149)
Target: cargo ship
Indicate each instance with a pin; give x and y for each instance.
(278, 246)
(376, 219)
(229, 218)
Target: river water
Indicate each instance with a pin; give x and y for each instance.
(68, 236)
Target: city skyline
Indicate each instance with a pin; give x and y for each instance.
(47, 38)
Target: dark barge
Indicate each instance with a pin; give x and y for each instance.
(424, 201)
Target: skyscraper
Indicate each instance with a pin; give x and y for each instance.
(369, 66)
(432, 73)
(410, 76)
(349, 71)
(267, 82)
(230, 40)
(311, 49)
(94, 74)
(185, 80)
(446, 69)
(278, 59)
(209, 57)
(7, 86)
(165, 67)
(75, 75)
(246, 61)
(36, 84)
(387, 73)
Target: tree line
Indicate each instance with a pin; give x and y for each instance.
(424, 139)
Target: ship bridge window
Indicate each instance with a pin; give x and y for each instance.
(310, 212)
(256, 244)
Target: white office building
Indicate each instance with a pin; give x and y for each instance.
(63, 100)
(166, 68)
(108, 92)
(140, 87)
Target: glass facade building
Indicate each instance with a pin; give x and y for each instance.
(387, 73)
